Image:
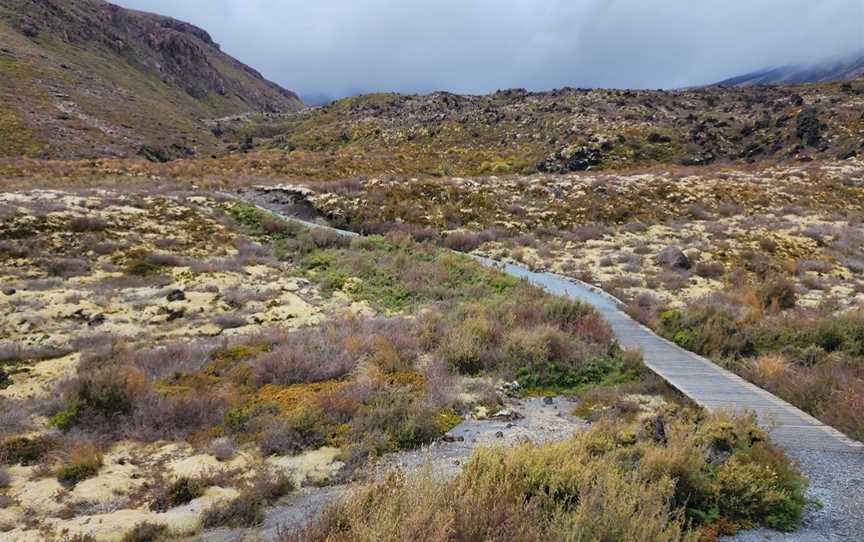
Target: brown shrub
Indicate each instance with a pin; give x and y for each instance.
(587, 232)
(170, 418)
(14, 249)
(466, 241)
(82, 224)
(710, 270)
(777, 292)
(247, 510)
(146, 532)
(66, 267)
(309, 355)
(179, 357)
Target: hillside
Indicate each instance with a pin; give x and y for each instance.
(835, 70)
(565, 130)
(87, 78)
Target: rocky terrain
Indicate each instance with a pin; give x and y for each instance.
(88, 78)
(562, 131)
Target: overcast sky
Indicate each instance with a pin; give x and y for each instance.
(341, 47)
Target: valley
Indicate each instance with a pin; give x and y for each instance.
(571, 314)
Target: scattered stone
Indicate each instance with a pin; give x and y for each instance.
(176, 295)
(506, 414)
(509, 388)
(654, 137)
(96, 321)
(9, 291)
(548, 401)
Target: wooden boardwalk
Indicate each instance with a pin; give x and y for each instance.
(696, 377)
(705, 383)
(833, 463)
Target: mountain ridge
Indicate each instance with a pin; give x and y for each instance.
(837, 69)
(115, 81)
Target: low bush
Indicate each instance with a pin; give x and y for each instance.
(544, 341)
(26, 450)
(468, 241)
(182, 491)
(66, 267)
(402, 420)
(710, 270)
(777, 293)
(247, 510)
(613, 482)
(303, 430)
(309, 355)
(83, 461)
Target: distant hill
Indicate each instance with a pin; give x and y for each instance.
(516, 131)
(834, 70)
(87, 78)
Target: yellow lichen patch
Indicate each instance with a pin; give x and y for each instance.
(186, 382)
(290, 398)
(228, 362)
(414, 382)
(447, 419)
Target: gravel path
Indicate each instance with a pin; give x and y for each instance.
(534, 420)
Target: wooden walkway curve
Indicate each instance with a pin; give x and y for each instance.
(705, 383)
(833, 463)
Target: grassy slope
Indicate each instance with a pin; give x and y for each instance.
(112, 106)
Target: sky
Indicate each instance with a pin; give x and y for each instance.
(334, 48)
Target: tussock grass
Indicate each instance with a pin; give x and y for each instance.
(614, 482)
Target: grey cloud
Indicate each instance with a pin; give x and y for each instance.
(340, 47)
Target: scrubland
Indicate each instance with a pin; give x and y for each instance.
(759, 268)
(179, 362)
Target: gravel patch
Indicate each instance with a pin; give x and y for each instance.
(532, 420)
(837, 482)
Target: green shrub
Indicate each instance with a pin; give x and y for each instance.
(65, 419)
(236, 419)
(26, 450)
(102, 393)
(613, 482)
(76, 472)
(184, 490)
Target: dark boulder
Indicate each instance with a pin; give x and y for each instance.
(672, 258)
(176, 295)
